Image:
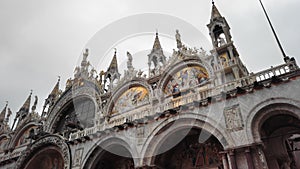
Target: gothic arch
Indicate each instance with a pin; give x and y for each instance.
(48, 144)
(185, 121)
(107, 144)
(267, 109)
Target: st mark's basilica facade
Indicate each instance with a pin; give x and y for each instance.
(195, 109)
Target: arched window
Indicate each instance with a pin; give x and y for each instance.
(78, 114)
(85, 111)
(220, 38)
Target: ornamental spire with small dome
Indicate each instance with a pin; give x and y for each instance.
(156, 58)
(215, 12)
(112, 74)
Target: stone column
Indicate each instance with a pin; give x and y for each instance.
(232, 159)
(219, 78)
(235, 70)
(224, 160)
(230, 49)
(249, 158)
(261, 156)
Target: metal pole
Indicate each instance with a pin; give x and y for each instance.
(276, 37)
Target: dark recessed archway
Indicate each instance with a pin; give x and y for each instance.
(280, 134)
(46, 158)
(112, 157)
(198, 149)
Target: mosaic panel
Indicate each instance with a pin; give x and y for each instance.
(131, 99)
(186, 78)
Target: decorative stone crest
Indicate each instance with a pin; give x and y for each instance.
(233, 118)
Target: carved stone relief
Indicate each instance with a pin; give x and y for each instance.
(233, 118)
(140, 135)
(77, 157)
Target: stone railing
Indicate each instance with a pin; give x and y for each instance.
(273, 71)
(172, 103)
(259, 76)
(114, 121)
(132, 115)
(198, 93)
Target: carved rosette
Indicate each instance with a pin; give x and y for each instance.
(51, 140)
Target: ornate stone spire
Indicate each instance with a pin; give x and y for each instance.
(52, 96)
(156, 45)
(156, 57)
(3, 114)
(114, 63)
(226, 61)
(82, 70)
(215, 12)
(24, 110)
(112, 72)
(4, 119)
(55, 90)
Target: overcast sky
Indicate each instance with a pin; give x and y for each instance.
(40, 40)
